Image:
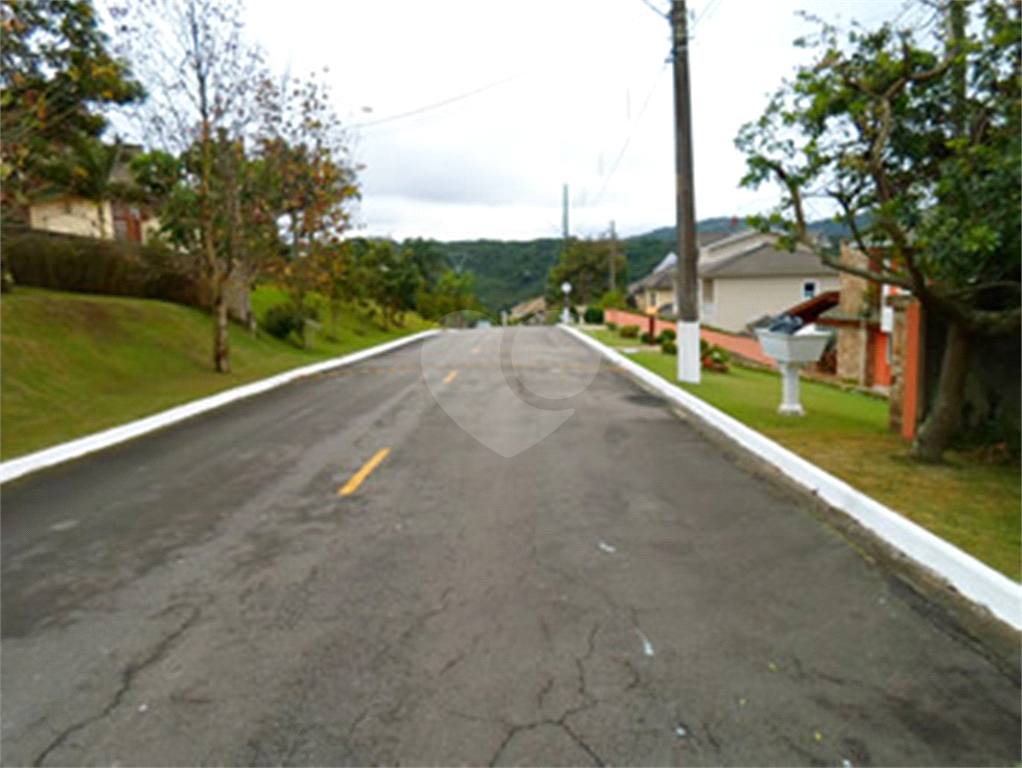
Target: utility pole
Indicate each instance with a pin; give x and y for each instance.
(564, 212)
(613, 256)
(686, 286)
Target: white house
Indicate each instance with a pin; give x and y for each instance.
(742, 277)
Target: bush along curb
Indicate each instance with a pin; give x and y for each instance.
(975, 580)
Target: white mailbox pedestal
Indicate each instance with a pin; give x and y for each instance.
(791, 351)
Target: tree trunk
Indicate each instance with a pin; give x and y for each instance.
(221, 345)
(940, 424)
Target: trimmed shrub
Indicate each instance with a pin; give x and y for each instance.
(611, 326)
(668, 347)
(630, 332)
(89, 265)
(667, 334)
(593, 316)
(284, 319)
(645, 338)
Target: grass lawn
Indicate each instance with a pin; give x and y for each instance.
(73, 364)
(614, 339)
(973, 504)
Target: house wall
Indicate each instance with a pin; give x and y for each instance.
(851, 353)
(738, 301)
(72, 216)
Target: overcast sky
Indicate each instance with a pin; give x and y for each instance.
(576, 74)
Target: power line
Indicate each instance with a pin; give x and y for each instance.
(653, 8)
(708, 10)
(635, 125)
(445, 102)
(481, 89)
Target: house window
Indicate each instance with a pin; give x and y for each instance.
(809, 289)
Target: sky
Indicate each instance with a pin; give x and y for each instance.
(558, 91)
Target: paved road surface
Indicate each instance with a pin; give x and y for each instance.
(618, 593)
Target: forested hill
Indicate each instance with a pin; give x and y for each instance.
(510, 271)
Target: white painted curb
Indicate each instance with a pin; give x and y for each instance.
(973, 579)
(58, 454)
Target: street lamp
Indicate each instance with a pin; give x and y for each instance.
(565, 313)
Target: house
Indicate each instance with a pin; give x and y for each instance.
(742, 277)
(71, 214)
(527, 308)
(864, 324)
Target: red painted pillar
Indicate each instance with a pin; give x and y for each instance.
(912, 369)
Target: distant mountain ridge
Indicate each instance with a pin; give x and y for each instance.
(508, 272)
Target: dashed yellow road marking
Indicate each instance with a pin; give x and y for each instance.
(476, 351)
(450, 377)
(356, 480)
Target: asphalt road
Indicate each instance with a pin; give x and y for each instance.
(586, 580)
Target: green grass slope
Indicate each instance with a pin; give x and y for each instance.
(73, 364)
(969, 501)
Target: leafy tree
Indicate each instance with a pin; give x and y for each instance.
(203, 76)
(391, 277)
(450, 293)
(586, 265)
(429, 259)
(915, 135)
(56, 76)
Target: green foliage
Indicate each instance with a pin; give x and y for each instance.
(918, 131)
(667, 334)
(614, 300)
(593, 315)
(611, 326)
(668, 347)
(915, 134)
(450, 293)
(646, 337)
(629, 331)
(284, 319)
(56, 76)
(585, 265)
(89, 265)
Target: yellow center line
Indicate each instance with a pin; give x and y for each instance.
(450, 377)
(356, 480)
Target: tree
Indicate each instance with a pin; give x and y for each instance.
(392, 279)
(203, 76)
(56, 76)
(915, 135)
(586, 265)
(450, 293)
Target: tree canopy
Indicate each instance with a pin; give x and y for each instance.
(56, 76)
(914, 134)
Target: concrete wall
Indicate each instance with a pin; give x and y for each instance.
(73, 216)
(738, 301)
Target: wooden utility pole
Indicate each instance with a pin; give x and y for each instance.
(612, 258)
(564, 212)
(686, 286)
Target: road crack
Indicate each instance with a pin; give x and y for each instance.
(127, 680)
